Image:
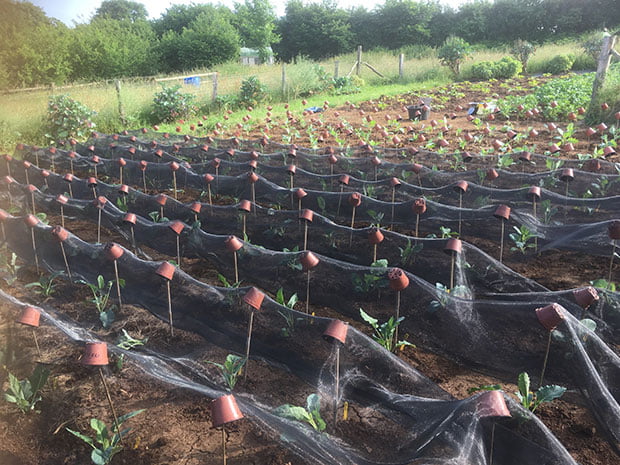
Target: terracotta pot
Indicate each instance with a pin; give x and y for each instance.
(230, 152)
(525, 157)
(68, 177)
(492, 174)
(61, 199)
(375, 161)
(375, 236)
(216, 162)
(291, 169)
(209, 178)
(52, 150)
(158, 153)
(3, 215)
(60, 233)
(550, 316)
(166, 270)
(614, 230)
(332, 159)
(534, 191)
(100, 202)
(195, 207)
(554, 148)
(567, 175)
(355, 199)
(95, 354)
(590, 132)
(161, 199)
(233, 243)
(29, 316)
(502, 212)
(254, 298)
(585, 296)
(609, 150)
(398, 279)
(113, 251)
(497, 144)
(568, 147)
(124, 189)
(453, 245)
(300, 193)
(466, 157)
(27, 164)
(336, 331)
(308, 260)
(395, 182)
(492, 404)
(252, 164)
(292, 153)
(245, 206)
(306, 214)
(45, 173)
(31, 221)
(592, 165)
(31, 188)
(533, 133)
(224, 410)
(419, 206)
(461, 186)
(91, 182)
(121, 162)
(511, 134)
(602, 128)
(177, 227)
(130, 218)
(254, 155)
(344, 179)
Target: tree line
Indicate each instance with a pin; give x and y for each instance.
(120, 41)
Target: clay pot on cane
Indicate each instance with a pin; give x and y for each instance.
(344, 179)
(416, 168)
(31, 221)
(461, 186)
(245, 206)
(336, 331)
(492, 404)
(550, 316)
(254, 298)
(466, 157)
(398, 279)
(492, 174)
(525, 157)
(308, 260)
(177, 227)
(614, 230)
(113, 251)
(306, 214)
(29, 316)
(253, 177)
(502, 212)
(3, 215)
(355, 199)
(60, 233)
(161, 199)
(453, 245)
(332, 159)
(224, 410)
(395, 183)
(375, 236)
(419, 206)
(233, 243)
(534, 191)
(195, 207)
(92, 182)
(609, 150)
(567, 175)
(166, 270)
(100, 202)
(585, 296)
(95, 354)
(130, 218)
(300, 193)
(209, 178)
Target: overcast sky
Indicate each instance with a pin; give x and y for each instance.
(80, 11)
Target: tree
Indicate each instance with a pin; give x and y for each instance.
(403, 22)
(121, 10)
(255, 21)
(178, 17)
(453, 53)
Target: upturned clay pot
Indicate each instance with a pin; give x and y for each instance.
(245, 205)
(91, 181)
(209, 178)
(224, 410)
(395, 182)
(375, 236)
(567, 175)
(230, 152)
(466, 157)
(292, 169)
(216, 162)
(492, 404)
(300, 193)
(416, 168)
(355, 199)
(68, 177)
(121, 162)
(461, 186)
(375, 161)
(550, 316)
(534, 191)
(253, 177)
(525, 157)
(31, 188)
(609, 150)
(585, 296)
(166, 270)
(292, 153)
(29, 316)
(177, 227)
(60, 233)
(95, 159)
(113, 251)
(332, 159)
(592, 165)
(419, 206)
(161, 199)
(590, 132)
(492, 174)
(27, 164)
(174, 166)
(45, 173)
(344, 179)
(95, 354)
(453, 245)
(254, 155)
(195, 207)
(3, 215)
(555, 148)
(306, 214)
(253, 164)
(502, 212)
(254, 298)
(124, 189)
(602, 128)
(614, 230)
(398, 279)
(233, 243)
(336, 331)
(31, 221)
(308, 260)
(511, 134)
(61, 199)
(100, 202)
(130, 218)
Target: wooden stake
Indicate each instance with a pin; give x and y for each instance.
(247, 346)
(611, 261)
(337, 386)
(535, 237)
(36, 343)
(99, 226)
(393, 198)
(62, 216)
(118, 286)
(252, 188)
(120, 176)
(374, 253)
(236, 267)
(179, 251)
(224, 443)
(34, 212)
(169, 309)
(107, 393)
(339, 200)
(70, 190)
(501, 244)
(352, 224)
(308, 292)
(542, 374)
(217, 180)
(492, 441)
(460, 208)
(34, 249)
(174, 184)
(64, 257)
(305, 235)
(397, 317)
(452, 272)
(144, 180)
(133, 241)
(417, 223)
(94, 192)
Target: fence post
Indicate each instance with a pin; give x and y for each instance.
(214, 95)
(358, 68)
(121, 107)
(336, 69)
(284, 81)
(603, 65)
(401, 65)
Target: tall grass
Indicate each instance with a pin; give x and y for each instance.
(22, 114)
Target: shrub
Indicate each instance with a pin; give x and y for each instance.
(506, 68)
(560, 64)
(482, 71)
(68, 118)
(252, 92)
(592, 45)
(522, 50)
(453, 53)
(171, 103)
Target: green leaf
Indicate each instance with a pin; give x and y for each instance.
(100, 428)
(107, 318)
(549, 393)
(588, 323)
(313, 403)
(100, 457)
(293, 412)
(368, 319)
(123, 418)
(83, 437)
(524, 384)
(38, 378)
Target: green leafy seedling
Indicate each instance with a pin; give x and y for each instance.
(531, 400)
(25, 393)
(311, 414)
(231, 369)
(522, 237)
(45, 286)
(227, 283)
(107, 442)
(384, 332)
(101, 298)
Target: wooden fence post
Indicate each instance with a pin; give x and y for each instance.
(121, 107)
(284, 81)
(401, 65)
(358, 68)
(214, 94)
(604, 60)
(336, 69)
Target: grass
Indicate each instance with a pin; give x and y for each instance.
(22, 114)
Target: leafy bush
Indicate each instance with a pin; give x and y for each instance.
(171, 103)
(560, 64)
(453, 53)
(522, 50)
(67, 117)
(592, 45)
(506, 68)
(252, 91)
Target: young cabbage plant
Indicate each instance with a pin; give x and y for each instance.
(45, 286)
(531, 400)
(107, 441)
(25, 393)
(10, 268)
(231, 369)
(311, 414)
(384, 332)
(522, 237)
(227, 283)
(101, 297)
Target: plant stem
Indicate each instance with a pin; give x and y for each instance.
(542, 374)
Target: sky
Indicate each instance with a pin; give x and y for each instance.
(80, 11)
